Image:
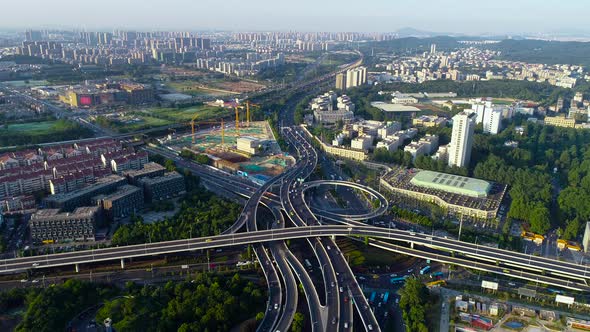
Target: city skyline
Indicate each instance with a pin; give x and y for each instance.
(457, 17)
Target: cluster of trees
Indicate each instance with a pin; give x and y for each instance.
(415, 303)
(393, 157)
(51, 308)
(61, 130)
(541, 51)
(574, 210)
(530, 191)
(208, 303)
(201, 214)
(200, 158)
(528, 170)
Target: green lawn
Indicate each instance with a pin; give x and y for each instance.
(41, 132)
(33, 128)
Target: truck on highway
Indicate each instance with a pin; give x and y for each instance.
(437, 275)
(385, 298)
(425, 269)
(372, 298)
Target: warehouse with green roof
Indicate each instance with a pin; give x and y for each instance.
(451, 183)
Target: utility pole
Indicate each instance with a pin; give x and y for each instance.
(460, 228)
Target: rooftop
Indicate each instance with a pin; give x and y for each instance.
(452, 183)
(387, 107)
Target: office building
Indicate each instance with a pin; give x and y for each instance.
(125, 201)
(461, 140)
(432, 48)
(51, 226)
(560, 121)
(492, 121)
(163, 187)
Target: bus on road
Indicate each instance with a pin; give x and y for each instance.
(398, 280)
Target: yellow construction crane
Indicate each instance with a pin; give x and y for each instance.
(222, 123)
(237, 121)
(248, 119)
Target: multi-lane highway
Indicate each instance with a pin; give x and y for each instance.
(293, 200)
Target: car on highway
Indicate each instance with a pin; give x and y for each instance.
(341, 289)
(35, 264)
(35, 281)
(370, 327)
(276, 306)
(24, 280)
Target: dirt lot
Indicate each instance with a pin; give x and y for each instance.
(239, 87)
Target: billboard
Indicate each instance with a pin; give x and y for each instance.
(489, 285)
(527, 292)
(85, 100)
(564, 299)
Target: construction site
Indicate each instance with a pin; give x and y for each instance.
(242, 147)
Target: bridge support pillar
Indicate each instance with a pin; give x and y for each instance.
(412, 245)
(122, 263)
(77, 268)
(333, 237)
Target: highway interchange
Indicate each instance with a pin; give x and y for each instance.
(335, 311)
(284, 196)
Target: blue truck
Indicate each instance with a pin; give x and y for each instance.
(372, 298)
(425, 269)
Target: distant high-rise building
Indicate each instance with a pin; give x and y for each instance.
(356, 77)
(432, 48)
(461, 140)
(105, 38)
(341, 81)
(32, 35)
(492, 120)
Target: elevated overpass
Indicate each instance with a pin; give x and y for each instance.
(535, 270)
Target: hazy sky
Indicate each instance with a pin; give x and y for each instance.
(461, 16)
